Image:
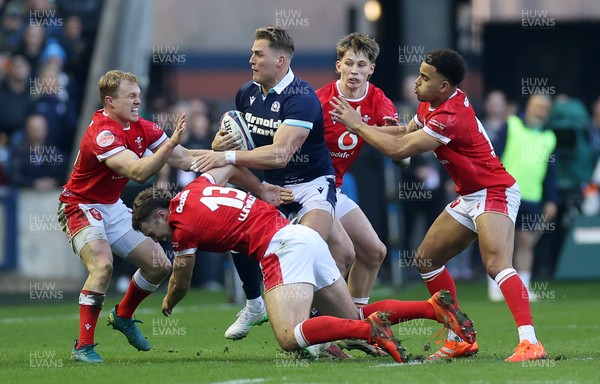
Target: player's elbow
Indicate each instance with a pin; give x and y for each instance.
(139, 177)
(280, 161)
(398, 154)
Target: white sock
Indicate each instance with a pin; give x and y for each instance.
(526, 332)
(360, 301)
(256, 305)
(526, 278)
(144, 284)
(302, 343)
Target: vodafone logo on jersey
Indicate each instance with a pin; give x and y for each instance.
(105, 138)
(347, 141)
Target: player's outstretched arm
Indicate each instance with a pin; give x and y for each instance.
(397, 147)
(127, 163)
(179, 283)
(245, 179)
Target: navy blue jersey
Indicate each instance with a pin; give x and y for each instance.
(293, 102)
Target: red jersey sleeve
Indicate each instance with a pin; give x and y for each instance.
(184, 242)
(442, 125)
(107, 141)
(156, 136)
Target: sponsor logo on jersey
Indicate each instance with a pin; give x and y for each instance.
(275, 107)
(261, 125)
(437, 124)
(182, 200)
(95, 214)
(105, 138)
(252, 98)
(320, 189)
(347, 141)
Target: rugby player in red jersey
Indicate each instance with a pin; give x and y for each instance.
(296, 264)
(117, 146)
(356, 55)
(488, 201)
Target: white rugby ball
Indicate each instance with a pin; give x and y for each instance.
(233, 122)
(404, 163)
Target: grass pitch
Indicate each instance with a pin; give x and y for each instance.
(36, 337)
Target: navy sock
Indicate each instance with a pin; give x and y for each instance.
(250, 274)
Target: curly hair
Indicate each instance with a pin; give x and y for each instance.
(278, 38)
(448, 63)
(109, 83)
(358, 43)
(146, 202)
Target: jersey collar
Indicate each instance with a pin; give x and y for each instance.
(283, 83)
(357, 100)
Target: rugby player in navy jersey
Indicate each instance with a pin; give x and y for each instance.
(285, 118)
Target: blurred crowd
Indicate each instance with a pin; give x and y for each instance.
(45, 51)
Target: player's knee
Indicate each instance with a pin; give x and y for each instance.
(493, 267)
(378, 253)
(101, 269)
(372, 255)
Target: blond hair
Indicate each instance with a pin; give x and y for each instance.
(109, 83)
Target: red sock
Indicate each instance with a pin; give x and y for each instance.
(88, 317)
(441, 281)
(400, 311)
(517, 299)
(322, 329)
(132, 299)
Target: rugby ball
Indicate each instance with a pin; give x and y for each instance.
(233, 122)
(404, 163)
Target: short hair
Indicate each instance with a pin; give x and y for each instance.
(146, 202)
(278, 38)
(448, 63)
(358, 43)
(108, 85)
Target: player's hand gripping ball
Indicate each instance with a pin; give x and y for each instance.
(233, 122)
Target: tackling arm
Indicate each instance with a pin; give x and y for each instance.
(126, 163)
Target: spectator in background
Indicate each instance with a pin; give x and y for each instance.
(528, 155)
(34, 163)
(32, 46)
(51, 98)
(14, 96)
(496, 113)
(77, 51)
(11, 29)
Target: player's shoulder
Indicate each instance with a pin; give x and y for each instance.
(103, 130)
(101, 122)
(248, 87)
(147, 124)
(326, 91)
(376, 94)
